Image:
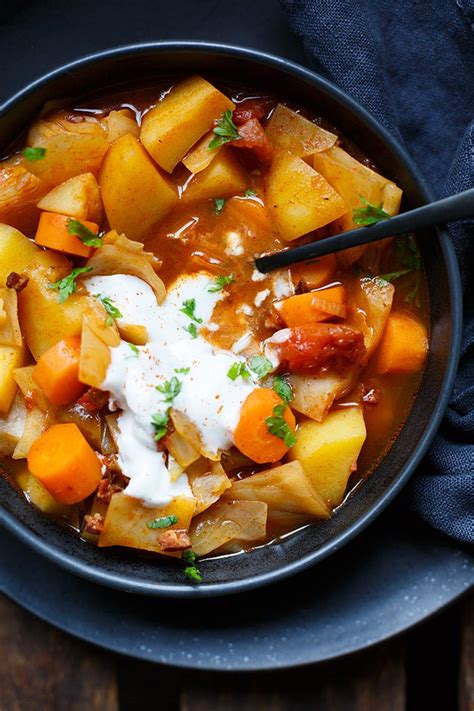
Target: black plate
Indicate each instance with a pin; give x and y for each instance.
(394, 575)
(135, 573)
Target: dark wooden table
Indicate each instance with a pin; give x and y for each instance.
(430, 667)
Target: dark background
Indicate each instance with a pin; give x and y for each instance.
(39, 35)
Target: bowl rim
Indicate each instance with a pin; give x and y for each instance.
(156, 588)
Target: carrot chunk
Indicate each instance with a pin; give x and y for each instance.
(315, 306)
(53, 232)
(252, 435)
(65, 464)
(314, 273)
(404, 345)
(57, 372)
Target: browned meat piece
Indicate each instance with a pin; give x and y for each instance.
(93, 523)
(176, 539)
(16, 281)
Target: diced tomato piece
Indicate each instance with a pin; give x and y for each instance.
(253, 137)
(252, 108)
(308, 348)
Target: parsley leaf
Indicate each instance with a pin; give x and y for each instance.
(160, 423)
(261, 366)
(192, 330)
(225, 131)
(34, 154)
(238, 369)
(87, 237)
(283, 388)
(219, 205)
(185, 371)
(163, 522)
(370, 214)
(170, 388)
(67, 285)
(188, 309)
(191, 571)
(250, 193)
(220, 282)
(134, 350)
(112, 311)
(391, 276)
(410, 257)
(278, 426)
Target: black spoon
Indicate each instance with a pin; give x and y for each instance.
(456, 207)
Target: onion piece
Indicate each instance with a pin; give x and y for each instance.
(120, 255)
(328, 307)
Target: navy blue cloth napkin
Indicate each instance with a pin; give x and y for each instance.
(411, 64)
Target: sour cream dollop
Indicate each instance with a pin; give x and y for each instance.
(208, 397)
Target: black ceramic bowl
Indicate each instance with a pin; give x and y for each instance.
(129, 570)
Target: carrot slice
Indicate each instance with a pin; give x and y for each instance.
(53, 232)
(252, 435)
(404, 345)
(314, 273)
(57, 372)
(65, 464)
(313, 307)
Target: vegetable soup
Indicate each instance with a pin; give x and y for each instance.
(156, 390)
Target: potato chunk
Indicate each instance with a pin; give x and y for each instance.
(126, 522)
(353, 179)
(222, 178)
(77, 197)
(180, 119)
(299, 198)
(43, 320)
(291, 132)
(16, 252)
(328, 451)
(135, 194)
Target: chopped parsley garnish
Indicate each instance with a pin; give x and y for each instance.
(67, 285)
(369, 214)
(185, 371)
(189, 307)
(250, 193)
(112, 311)
(410, 258)
(261, 366)
(221, 282)
(134, 350)
(225, 131)
(163, 522)
(391, 276)
(34, 154)
(192, 330)
(238, 369)
(170, 389)
(278, 426)
(219, 205)
(191, 571)
(283, 388)
(160, 423)
(87, 237)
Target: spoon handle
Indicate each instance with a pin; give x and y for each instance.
(455, 207)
